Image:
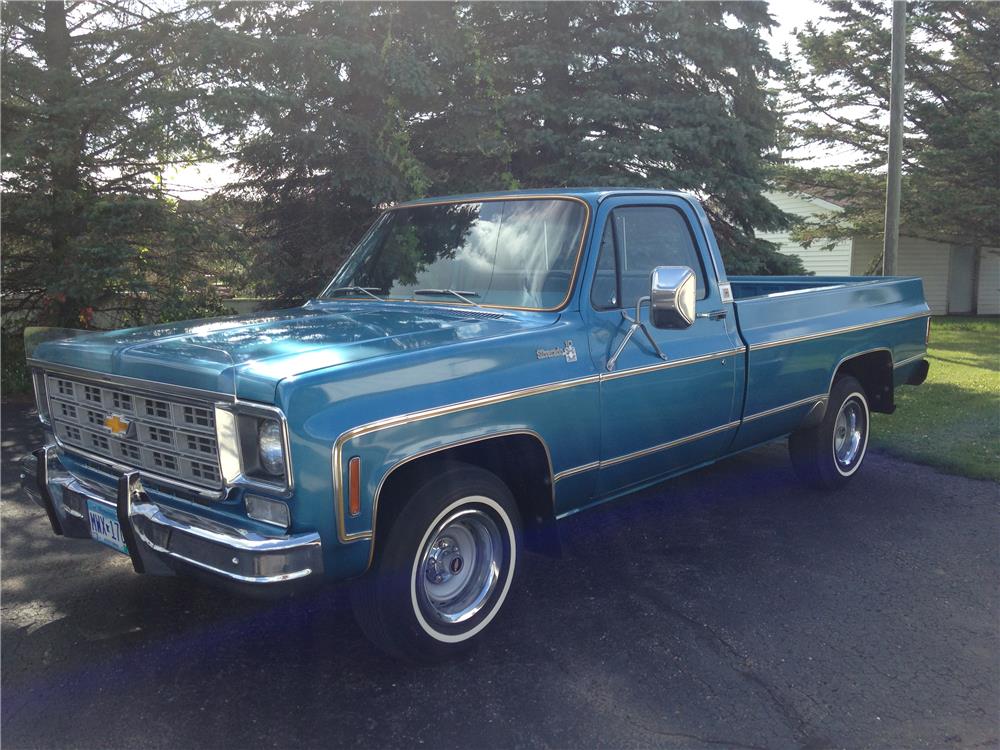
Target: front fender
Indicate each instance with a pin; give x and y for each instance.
(561, 415)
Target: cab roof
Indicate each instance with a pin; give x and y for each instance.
(593, 195)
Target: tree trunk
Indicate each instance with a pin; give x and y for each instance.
(556, 82)
(64, 152)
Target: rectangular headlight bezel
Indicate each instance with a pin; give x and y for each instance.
(41, 396)
(236, 426)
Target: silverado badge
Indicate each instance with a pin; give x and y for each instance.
(117, 425)
(568, 351)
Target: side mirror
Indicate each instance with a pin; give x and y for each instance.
(672, 292)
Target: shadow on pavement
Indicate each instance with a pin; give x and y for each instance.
(728, 607)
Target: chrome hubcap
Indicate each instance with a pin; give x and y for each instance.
(460, 566)
(848, 433)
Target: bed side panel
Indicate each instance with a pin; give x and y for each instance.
(797, 341)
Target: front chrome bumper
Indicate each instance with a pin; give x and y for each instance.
(164, 540)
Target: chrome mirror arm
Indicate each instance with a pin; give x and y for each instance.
(637, 325)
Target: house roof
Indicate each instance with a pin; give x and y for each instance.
(821, 192)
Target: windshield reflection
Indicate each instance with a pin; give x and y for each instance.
(506, 253)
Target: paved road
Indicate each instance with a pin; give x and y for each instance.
(729, 608)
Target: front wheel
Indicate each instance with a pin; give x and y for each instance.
(828, 455)
(444, 568)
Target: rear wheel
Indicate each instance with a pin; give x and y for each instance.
(831, 453)
(444, 568)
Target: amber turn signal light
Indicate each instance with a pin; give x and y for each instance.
(354, 486)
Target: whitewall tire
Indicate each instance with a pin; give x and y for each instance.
(830, 454)
(444, 567)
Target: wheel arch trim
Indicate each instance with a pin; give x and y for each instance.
(882, 402)
(393, 468)
(858, 355)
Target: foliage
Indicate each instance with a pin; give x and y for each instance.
(334, 110)
(318, 102)
(643, 94)
(97, 99)
(951, 421)
(839, 87)
(14, 377)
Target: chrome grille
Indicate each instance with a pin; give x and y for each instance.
(172, 438)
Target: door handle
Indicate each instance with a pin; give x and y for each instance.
(713, 315)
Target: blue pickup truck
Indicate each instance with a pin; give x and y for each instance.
(480, 367)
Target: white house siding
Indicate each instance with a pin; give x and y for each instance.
(833, 262)
(915, 257)
(989, 281)
(863, 254)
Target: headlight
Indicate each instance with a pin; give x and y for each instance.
(271, 448)
(252, 442)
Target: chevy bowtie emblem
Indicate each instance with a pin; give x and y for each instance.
(117, 425)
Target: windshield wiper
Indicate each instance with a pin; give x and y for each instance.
(355, 289)
(464, 296)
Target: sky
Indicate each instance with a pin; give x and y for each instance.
(790, 14)
(197, 181)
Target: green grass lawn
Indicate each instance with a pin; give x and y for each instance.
(953, 420)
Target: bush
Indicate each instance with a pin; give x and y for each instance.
(14, 377)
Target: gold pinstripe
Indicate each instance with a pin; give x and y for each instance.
(837, 331)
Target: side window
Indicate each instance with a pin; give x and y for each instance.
(647, 236)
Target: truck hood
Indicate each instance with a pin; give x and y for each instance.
(249, 355)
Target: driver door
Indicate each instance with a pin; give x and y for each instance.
(658, 417)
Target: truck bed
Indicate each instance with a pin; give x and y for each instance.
(745, 287)
(798, 329)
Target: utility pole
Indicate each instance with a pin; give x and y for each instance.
(894, 177)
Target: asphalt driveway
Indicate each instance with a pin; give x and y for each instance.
(729, 608)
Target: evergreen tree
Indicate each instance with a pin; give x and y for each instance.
(839, 86)
(644, 94)
(95, 103)
(336, 110)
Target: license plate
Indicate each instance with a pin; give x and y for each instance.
(104, 526)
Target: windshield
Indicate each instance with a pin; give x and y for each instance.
(507, 253)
